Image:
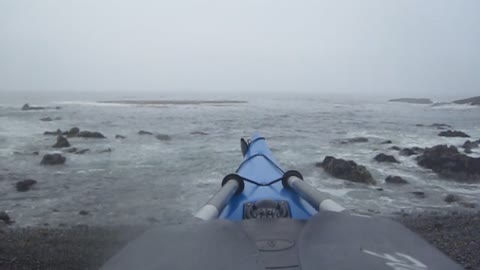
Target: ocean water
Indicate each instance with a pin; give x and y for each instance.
(146, 180)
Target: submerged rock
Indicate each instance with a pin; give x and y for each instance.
(53, 133)
(451, 198)
(5, 218)
(395, 180)
(25, 185)
(440, 125)
(163, 137)
(53, 159)
(419, 194)
(396, 148)
(385, 158)
(453, 133)
(62, 142)
(448, 162)
(347, 170)
(199, 133)
(91, 134)
(412, 100)
(27, 107)
(81, 152)
(386, 142)
(143, 132)
(83, 212)
(354, 140)
(71, 150)
(120, 137)
(108, 150)
(46, 119)
(407, 152)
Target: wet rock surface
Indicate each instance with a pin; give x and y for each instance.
(395, 180)
(53, 159)
(385, 158)
(25, 185)
(347, 170)
(354, 140)
(453, 133)
(62, 142)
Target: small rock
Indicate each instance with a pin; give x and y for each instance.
(5, 218)
(396, 148)
(83, 212)
(143, 132)
(53, 159)
(25, 185)
(385, 158)
(395, 180)
(81, 152)
(119, 137)
(451, 198)
(163, 137)
(453, 133)
(386, 142)
(62, 142)
(355, 140)
(407, 152)
(71, 150)
(199, 133)
(46, 119)
(27, 107)
(72, 132)
(470, 145)
(439, 125)
(347, 170)
(419, 194)
(53, 133)
(91, 134)
(108, 150)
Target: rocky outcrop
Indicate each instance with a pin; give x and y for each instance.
(53, 159)
(144, 132)
(347, 170)
(62, 142)
(453, 133)
(412, 100)
(27, 107)
(395, 180)
(385, 158)
(407, 152)
(469, 101)
(25, 185)
(354, 140)
(163, 137)
(448, 162)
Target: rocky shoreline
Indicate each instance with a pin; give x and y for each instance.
(457, 234)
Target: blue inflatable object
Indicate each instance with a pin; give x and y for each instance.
(265, 182)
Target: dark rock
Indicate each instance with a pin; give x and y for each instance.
(163, 137)
(469, 101)
(467, 151)
(108, 150)
(143, 132)
(440, 125)
(53, 133)
(199, 133)
(27, 107)
(448, 162)
(355, 140)
(91, 134)
(419, 194)
(419, 125)
(396, 148)
(386, 142)
(407, 152)
(470, 145)
(385, 158)
(5, 218)
(81, 152)
(53, 159)
(35, 153)
(83, 212)
(412, 100)
(46, 119)
(417, 150)
(395, 180)
(453, 133)
(73, 132)
(347, 170)
(71, 150)
(25, 185)
(451, 198)
(119, 137)
(62, 142)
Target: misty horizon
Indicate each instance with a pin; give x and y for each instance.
(425, 49)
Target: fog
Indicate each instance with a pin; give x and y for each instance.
(375, 47)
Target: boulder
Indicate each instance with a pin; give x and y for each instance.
(53, 159)
(395, 180)
(62, 142)
(354, 140)
(143, 132)
(25, 185)
(453, 133)
(386, 142)
(72, 132)
(385, 158)
(5, 218)
(451, 198)
(120, 137)
(347, 170)
(46, 119)
(53, 133)
(27, 107)
(91, 134)
(163, 137)
(448, 162)
(412, 100)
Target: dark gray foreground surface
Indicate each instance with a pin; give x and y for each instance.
(457, 235)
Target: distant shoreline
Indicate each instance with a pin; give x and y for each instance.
(173, 102)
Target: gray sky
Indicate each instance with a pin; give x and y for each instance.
(398, 48)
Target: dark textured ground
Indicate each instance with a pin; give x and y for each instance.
(82, 247)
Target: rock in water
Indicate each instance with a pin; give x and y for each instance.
(440, 125)
(448, 162)
(71, 150)
(119, 137)
(396, 148)
(83, 212)
(412, 100)
(355, 140)
(453, 133)
(419, 194)
(385, 158)
(90, 134)
(395, 180)
(81, 152)
(386, 142)
(470, 145)
(53, 133)
(46, 119)
(27, 107)
(451, 198)
(143, 132)
(108, 150)
(469, 101)
(347, 170)
(407, 152)
(62, 142)
(199, 133)
(163, 137)
(53, 159)
(25, 185)
(72, 132)
(5, 218)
